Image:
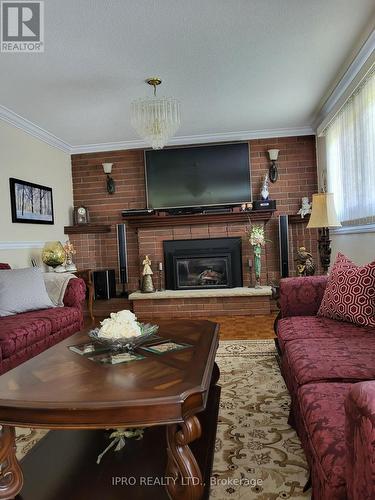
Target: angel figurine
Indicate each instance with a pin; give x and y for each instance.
(305, 208)
(147, 284)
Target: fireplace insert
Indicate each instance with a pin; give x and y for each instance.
(203, 263)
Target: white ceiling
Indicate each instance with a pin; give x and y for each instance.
(235, 65)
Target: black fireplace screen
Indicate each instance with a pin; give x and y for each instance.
(203, 263)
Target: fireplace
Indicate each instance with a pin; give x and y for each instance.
(203, 263)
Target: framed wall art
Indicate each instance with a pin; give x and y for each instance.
(31, 203)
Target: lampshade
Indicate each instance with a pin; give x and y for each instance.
(107, 167)
(323, 212)
(274, 153)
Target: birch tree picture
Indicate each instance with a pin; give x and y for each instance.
(31, 202)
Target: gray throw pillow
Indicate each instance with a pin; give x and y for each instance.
(22, 290)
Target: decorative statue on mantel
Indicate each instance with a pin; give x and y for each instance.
(147, 284)
(305, 263)
(305, 208)
(265, 192)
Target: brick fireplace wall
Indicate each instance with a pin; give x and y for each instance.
(297, 178)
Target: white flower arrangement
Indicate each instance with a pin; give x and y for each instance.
(256, 236)
(120, 325)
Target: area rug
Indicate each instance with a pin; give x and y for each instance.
(258, 455)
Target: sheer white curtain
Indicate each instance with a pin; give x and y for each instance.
(350, 146)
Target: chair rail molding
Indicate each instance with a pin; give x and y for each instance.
(17, 245)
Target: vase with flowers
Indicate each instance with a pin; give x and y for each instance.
(257, 241)
(69, 252)
(122, 332)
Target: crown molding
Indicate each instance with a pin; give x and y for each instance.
(30, 128)
(18, 121)
(17, 245)
(359, 62)
(196, 139)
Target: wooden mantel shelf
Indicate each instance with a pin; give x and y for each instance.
(297, 219)
(87, 229)
(193, 219)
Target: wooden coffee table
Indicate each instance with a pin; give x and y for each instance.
(60, 389)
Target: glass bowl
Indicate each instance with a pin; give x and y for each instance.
(148, 331)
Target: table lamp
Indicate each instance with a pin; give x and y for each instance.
(323, 216)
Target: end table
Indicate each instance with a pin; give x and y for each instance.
(86, 275)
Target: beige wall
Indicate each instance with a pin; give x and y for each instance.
(27, 158)
(358, 247)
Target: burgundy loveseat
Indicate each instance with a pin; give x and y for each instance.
(329, 369)
(23, 336)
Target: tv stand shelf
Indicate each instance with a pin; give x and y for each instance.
(164, 220)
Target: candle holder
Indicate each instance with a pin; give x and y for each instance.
(161, 289)
(250, 265)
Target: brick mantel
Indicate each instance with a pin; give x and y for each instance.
(297, 178)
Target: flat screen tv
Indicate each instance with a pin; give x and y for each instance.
(198, 176)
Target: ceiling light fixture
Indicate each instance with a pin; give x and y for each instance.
(156, 119)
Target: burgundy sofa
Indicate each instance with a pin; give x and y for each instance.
(23, 336)
(329, 369)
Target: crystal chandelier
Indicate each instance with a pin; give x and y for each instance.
(156, 119)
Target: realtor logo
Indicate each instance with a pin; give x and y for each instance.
(22, 26)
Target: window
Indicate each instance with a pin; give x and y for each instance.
(350, 147)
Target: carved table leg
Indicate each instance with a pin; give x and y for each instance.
(184, 478)
(11, 478)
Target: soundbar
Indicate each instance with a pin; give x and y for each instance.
(217, 210)
(184, 211)
(138, 211)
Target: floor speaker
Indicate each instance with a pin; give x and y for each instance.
(104, 284)
(284, 246)
(122, 253)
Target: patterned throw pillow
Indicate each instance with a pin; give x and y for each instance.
(350, 293)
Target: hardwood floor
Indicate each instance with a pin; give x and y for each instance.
(245, 327)
(236, 327)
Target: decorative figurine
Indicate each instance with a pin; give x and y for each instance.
(111, 186)
(265, 188)
(305, 208)
(305, 263)
(246, 207)
(147, 284)
(69, 252)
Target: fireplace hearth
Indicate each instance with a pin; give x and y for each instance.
(203, 263)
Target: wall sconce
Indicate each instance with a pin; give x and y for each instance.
(111, 187)
(273, 174)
